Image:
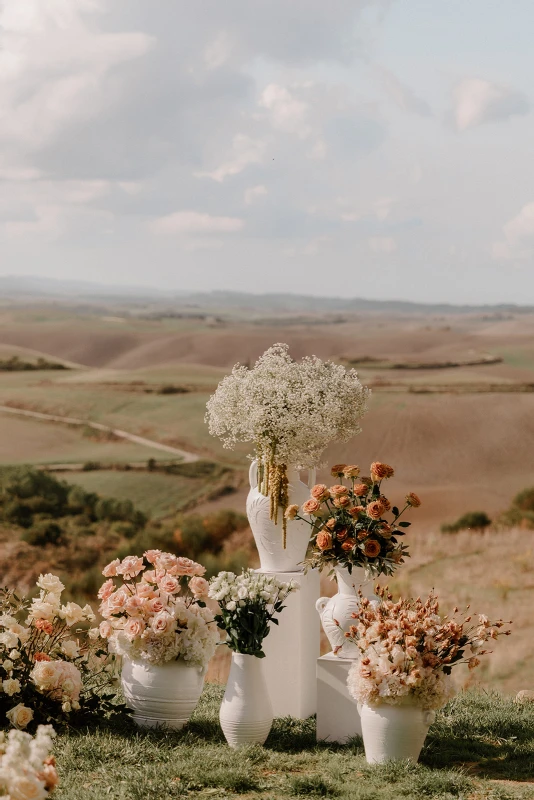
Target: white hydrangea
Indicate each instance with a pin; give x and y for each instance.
(25, 767)
(289, 410)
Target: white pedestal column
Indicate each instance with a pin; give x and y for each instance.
(337, 713)
(292, 648)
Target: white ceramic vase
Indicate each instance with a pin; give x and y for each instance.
(336, 611)
(246, 713)
(394, 733)
(163, 695)
(268, 536)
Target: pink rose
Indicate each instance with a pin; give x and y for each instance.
(184, 566)
(130, 567)
(320, 491)
(311, 506)
(116, 601)
(199, 586)
(169, 585)
(134, 627)
(105, 629)
(134, 603)
(111, 569)
(165, 561)
(149, 576)
(145, 591)
(155, 606)
(162, 623)
(106, 590)
(152, 555)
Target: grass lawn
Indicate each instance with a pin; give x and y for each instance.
(480, 748)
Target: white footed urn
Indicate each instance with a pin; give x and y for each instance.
(161, 695)
(246, 713)
(336, 611)
(268, 536)
(394, 733)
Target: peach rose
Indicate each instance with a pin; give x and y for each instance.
(116, 602)
(342, 502)
(106, 590)
(169, 585)
(291, 511)
(311, 506)
(371, 548)
(360, 490)
(199, 586)
(184, 566)
(134, 627)
(155, 606)
(162, 623)
(44, 625)
(385, 502)
(319, 491)
(20, 716)
(348, 544)
(342, 535)
(338, 490)
(375, 509)
(134, 603)
(110, 570)
(355, 510)
(145, 591)
(351, 471)
(152, 555)
(379, 471)
(149, 576)
(324, 540)
(413, 500)
(331, 524)
(165, 561)
(105, 629)
(130, 567)
(337, 470)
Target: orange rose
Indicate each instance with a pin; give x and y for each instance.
(385, 530)
(337, 470)
(41, 657)
(331, 524)
(338, 490)
(368, 482)
(348, 545)
(291, 511)
(413, 500)
(324, 540)
(351, 471)
(319, 491)
(371, 548)
(341, 535)
(380, 471)
(375, 509)
(362, 534)
(355, 510)
(341, 502)
(311, 506)
(385, 502)
(360, 490)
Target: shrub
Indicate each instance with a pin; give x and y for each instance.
(89, 466)
(477, 520)
(43, 533)
(524, 500)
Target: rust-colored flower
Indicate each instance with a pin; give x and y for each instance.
(351, 471)
(338, 490)
(331, 524)
(342, 535)
(291, 511)
(361, 489)
(385, 530)
(342, 502)
(320, 491)
(311, 506)
(375, 509)
(338, 470)
(324, 540)
(39, 656)
(413, 500)
(385, 502)
(371, 548)
(362, 535)
(44, 625)
(355, 510)
(348, 544)
(379, 471)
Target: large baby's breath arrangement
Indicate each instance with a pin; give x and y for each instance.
(291, 411)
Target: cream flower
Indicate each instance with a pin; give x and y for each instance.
(70, 649)
(20, 716)
(71, 613)
(11, 686)
(50, 583)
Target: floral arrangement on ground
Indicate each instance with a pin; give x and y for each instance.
(27, 768)
(408, 649)
(348, 524)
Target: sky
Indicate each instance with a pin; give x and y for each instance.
(349, 148)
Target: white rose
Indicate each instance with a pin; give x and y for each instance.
(20, 716)
(27, 787)
(9, 639)
(89, 614)
(45, 674)
(41, 609)
(71, 613)
(7, 665)
(70, 649)
(11, 686)
(14, 655)
(93, 633)
(50, 583)
(66, 707)
(231, 606)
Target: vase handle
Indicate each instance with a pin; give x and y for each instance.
(321, 604)
(253, 475)
(312, 474)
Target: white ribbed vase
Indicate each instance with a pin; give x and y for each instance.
(163, 695)
(246, 713)
(336, 611)
(268, 536)
(394, 733)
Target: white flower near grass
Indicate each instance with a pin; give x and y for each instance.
(27, 768)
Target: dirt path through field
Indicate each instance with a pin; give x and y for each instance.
(131, 437)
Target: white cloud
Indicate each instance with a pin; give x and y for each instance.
(245, 151)
(217, 52)
(402, 95)
(476, 101)
(384, 245)
(518, 242)
(287, 112)
(254, 192)
(193, 222)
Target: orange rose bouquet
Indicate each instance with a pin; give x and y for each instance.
(349, 523)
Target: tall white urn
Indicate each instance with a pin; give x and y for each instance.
(336, 611)
(394, 733)
(246, 713)
(161, 695)
(268, 536)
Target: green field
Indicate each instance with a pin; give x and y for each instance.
(154, 493)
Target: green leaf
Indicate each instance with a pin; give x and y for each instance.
(404, 524)
(395, 511)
